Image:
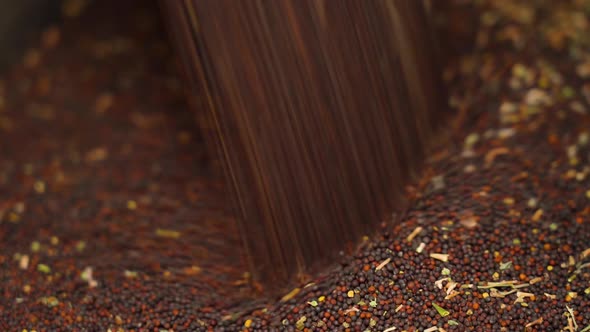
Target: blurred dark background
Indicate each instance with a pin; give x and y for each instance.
(20, 23)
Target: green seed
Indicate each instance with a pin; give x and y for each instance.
(300, 324)
(373, 303)
(50, 301)
(35, 246)
(80, 246)
(167, 233)
(505, 266)
(43, 268)
(441, 311)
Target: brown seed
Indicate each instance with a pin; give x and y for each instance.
(103, 103)
(50, 37)
(32, 59)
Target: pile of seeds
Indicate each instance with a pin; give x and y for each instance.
(107, 222)
(108, 216)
